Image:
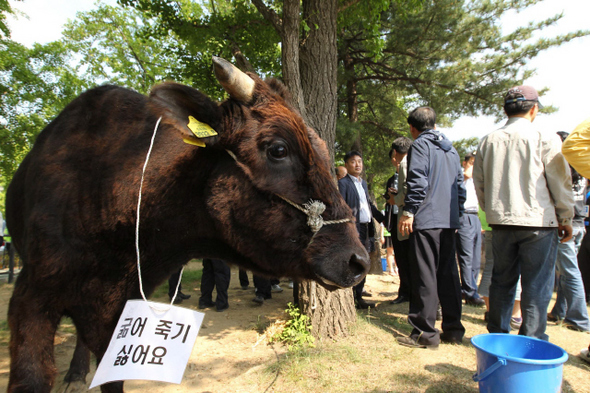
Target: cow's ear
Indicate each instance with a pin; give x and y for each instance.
(192, 113)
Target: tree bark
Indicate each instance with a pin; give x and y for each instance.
(319, 68)
(310, 65)
(290, 54)
(331, 313)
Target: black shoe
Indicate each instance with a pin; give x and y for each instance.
(203, 304)
(183, 296)
(222, 309)
(258, 299)
(410, 342)
(366, 294)
(475, 301)
(448, 339)
(553, 318)
(575, 328)
(363, 305)
(439, 314)
(244, 287)
(400, 299)
(177, 300)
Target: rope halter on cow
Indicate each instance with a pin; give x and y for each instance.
(312, 209)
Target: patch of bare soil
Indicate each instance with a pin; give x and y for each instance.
(228, 345)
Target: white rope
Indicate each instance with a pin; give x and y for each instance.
(147, 158)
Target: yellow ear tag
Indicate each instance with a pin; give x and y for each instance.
(195, 142)
(201, 130)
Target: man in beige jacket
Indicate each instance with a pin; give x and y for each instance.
(523, 184)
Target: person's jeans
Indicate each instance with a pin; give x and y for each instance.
(468, 244)
(532, 254)
(486, 276)
(571, 300)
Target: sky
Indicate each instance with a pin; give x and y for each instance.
(564, 70)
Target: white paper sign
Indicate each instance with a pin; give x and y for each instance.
(149, 344)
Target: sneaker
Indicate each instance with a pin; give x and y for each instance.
(290, 285)
(276, 288)
(585, 355)
(515, 323)
(258, 299)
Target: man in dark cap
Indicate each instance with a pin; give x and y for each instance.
(523, 184)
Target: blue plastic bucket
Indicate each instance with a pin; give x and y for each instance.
(384, 264)
(511, 363)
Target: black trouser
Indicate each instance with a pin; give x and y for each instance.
(363, 230)
(434, 278)
(263, 286)
(401, 249)
(173, 282)
(243, 275)
(216, 274)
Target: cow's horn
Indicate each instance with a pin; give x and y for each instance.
(237, 84)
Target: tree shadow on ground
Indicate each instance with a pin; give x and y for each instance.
(454, 379)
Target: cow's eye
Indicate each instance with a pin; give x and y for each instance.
(277, 151)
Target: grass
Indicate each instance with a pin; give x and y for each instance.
(4, 332)
(191, 278)
(370, 360)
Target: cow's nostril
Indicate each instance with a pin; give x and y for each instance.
(359, 264)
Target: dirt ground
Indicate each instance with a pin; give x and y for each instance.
(227, 345)
(229, 351)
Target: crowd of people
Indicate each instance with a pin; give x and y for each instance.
(441, 211)
(520, 185)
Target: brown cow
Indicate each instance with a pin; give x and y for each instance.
(72, 205)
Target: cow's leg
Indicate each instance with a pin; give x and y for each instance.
(95, 327)
(80, 367)
(80, 364)
(33, 324)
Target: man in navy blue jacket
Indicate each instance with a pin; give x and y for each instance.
(355, 192)
(433, 205)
